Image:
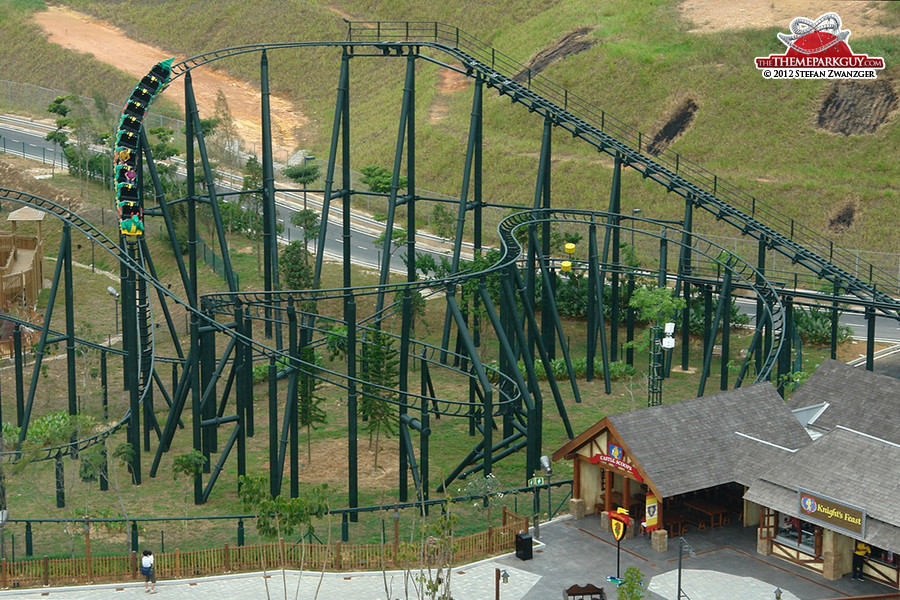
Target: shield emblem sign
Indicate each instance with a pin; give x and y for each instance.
(618, 528)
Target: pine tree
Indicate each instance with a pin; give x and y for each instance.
(309, 410)
(381, 374)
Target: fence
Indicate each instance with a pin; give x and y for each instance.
(177, 564)
(215, 262)
(35, 99)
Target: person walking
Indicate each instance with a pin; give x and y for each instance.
(859, 557)
(149, 572)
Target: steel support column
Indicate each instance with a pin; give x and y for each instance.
(615, 208)
(352, 427)
(870, 338)
(711, 338)
(131, 347)
(70, 321)
(270, 240)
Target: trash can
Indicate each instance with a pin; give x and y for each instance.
(523, 546)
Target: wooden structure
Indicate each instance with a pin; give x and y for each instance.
(22, 260)
(683, 456)
(813, 474)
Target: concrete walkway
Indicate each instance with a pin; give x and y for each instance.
(726, 566)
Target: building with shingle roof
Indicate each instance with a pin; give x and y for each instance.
(838, 394)
(689, 445)
(855, 479)
(814, 474)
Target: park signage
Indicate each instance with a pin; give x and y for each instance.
(619, 524)
(832, 513)
(617, 463)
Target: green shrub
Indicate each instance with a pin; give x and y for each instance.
(618, 370)
(814, 325)
(54, 429)
(261, 371)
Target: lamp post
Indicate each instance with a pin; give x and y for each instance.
(777, 593)
(634, 212)
(545, 464)
(658, 343)
(4, 517)
(498, 577)
(112, 292)
(682, 544)
(306, 159)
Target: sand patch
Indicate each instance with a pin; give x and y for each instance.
(111, 45)
(861, 18)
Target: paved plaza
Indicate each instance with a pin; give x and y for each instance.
(726, 566)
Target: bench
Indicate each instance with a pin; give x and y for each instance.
(584, 592)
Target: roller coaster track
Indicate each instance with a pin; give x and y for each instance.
(744, 271)
(607, 134)
(669, 169)
(110, 246)
(566, 111)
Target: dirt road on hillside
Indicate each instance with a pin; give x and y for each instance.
(109, 44)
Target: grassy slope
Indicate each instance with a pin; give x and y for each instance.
(755, 133)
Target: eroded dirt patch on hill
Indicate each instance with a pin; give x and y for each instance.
(449, 82)
(856, 107)
(14, 178)
(841, 220)
(680, 119)
(572, 43)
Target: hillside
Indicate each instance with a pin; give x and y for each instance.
(682, 72)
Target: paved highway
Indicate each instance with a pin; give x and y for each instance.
(21, 137)
(25, 138)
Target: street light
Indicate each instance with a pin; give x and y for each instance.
(777, 593)
(682, 544)
(661, 339)
(498, 576)
(634, 212)
(112, 292)
(545, 464)
(4, 517)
